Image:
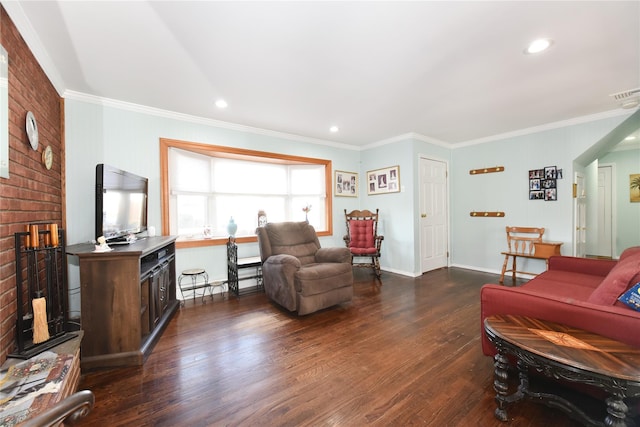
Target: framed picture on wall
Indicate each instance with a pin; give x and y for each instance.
(381, 181)
(346, 184)
(634, 187)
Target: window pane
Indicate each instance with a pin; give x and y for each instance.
(307, 180)
(244, 210)
(190, 172)
(238, 176)
(191, 214)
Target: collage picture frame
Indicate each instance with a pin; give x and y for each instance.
(383, 181)
(543, 183)
(345, 184)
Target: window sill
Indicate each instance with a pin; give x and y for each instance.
(197, 242)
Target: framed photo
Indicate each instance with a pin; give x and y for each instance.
(346, 184)
(536, 195)
(550, 194)
(550, 172)
(382, 181)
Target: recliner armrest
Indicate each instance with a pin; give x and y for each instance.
(334, 254)
(284, 259)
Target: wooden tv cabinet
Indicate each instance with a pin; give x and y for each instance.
(128, 296)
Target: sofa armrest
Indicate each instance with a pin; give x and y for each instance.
(335, 254)
(619, 323)
(595, 267)
(68, 411)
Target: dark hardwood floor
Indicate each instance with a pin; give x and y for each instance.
(406, 353)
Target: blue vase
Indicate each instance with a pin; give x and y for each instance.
(232, 227)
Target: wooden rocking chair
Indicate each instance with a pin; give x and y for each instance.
(362, 238)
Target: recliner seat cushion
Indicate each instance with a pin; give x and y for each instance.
(313, 279)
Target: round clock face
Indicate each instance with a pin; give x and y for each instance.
(32, 130)
(47, 157)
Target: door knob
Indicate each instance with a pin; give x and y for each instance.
(423, 215)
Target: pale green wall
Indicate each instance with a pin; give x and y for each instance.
(477, 242)
(129, 139)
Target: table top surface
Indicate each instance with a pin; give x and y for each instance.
(569, 346)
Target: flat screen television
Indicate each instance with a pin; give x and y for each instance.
(121, 204)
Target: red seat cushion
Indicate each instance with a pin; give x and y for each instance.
(362, 240)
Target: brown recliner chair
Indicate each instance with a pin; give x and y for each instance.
(300, 275)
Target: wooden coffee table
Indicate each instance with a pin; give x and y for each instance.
(563, 353)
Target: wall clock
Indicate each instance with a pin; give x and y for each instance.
(47, 157)
(32, 130)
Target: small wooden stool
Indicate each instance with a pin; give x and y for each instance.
(194, 274)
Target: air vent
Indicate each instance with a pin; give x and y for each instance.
(626, 94)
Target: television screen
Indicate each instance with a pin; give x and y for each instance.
(121, 203)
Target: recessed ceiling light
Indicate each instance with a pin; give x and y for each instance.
(334, 129)
(630, 138)
(538, 46)
(221, 103)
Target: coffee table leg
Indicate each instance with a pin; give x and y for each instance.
(616, 412)
(501, 385)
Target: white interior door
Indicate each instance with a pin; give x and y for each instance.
(605, 212)
(434, 217)
(580, 220)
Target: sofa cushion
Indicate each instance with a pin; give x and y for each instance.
(587, 281)
(554, 287)
(624, 275)
(362, 236)
(631, 298)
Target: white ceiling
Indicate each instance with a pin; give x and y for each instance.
(452, 72)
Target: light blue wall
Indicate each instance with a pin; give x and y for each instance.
(477, 242)
(626, 162)
(396, 209)
(129, 139)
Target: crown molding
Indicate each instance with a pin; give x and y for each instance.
(545, 127)
(404, 137)
(158, 112)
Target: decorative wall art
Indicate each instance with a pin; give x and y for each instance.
(346, 184)
(543, 183)
(634, 188)
(381, 181)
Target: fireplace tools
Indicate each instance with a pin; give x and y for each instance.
(41, 315)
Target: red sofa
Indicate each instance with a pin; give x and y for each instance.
(578, 292)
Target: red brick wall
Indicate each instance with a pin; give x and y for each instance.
(31, 194)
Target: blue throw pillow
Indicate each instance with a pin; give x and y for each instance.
(632, 297)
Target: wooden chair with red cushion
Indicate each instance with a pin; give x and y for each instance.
(362, 239)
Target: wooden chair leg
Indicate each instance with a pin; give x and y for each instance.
(504, 269)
